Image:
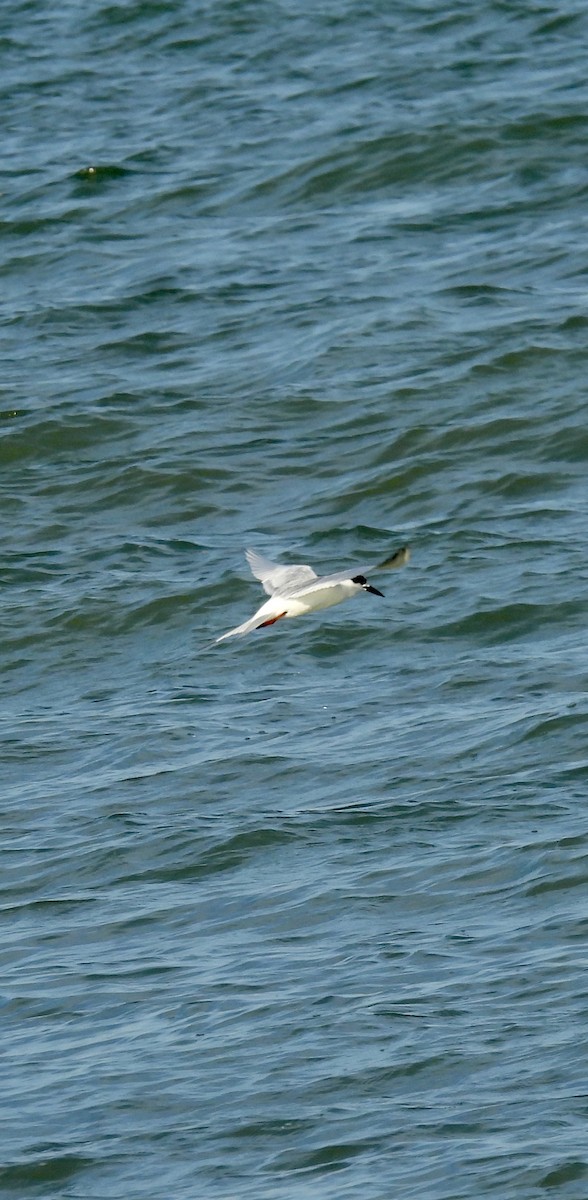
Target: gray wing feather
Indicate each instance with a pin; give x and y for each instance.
(399, 559)
(324, 581)
(276, 579)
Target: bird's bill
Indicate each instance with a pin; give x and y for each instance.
(367, 587)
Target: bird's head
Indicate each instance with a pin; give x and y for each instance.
(362, 582)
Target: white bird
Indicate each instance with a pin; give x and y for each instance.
(294, 591)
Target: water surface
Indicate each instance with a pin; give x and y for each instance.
(302, 915)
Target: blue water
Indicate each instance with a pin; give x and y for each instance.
(300, 915)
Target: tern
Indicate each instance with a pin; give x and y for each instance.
(294, 591)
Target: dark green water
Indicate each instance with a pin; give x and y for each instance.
(302, 917)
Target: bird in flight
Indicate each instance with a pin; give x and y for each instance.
(294, 591)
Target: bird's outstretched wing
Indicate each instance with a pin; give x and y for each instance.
(276, 579)
(399, 559)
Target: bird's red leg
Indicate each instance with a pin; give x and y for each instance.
(271, 621)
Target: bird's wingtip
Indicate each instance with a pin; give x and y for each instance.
(398, 559)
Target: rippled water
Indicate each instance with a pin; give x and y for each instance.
(301, 915)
